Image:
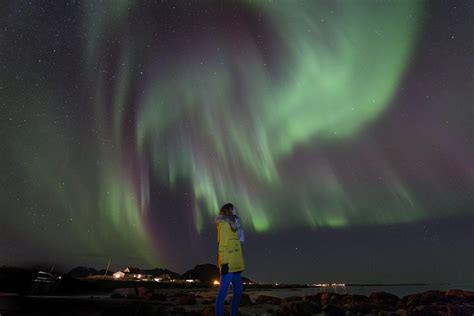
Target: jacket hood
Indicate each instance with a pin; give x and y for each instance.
(231, 222)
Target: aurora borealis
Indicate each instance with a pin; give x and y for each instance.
(126, 124)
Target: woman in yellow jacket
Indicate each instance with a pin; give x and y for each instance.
(230, 258)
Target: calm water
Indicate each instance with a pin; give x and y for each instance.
(400, 291)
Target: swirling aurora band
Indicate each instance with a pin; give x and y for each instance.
(246, 111)
(224, 121)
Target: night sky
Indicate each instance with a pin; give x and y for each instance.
(341, 130)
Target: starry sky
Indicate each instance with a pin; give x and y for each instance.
(341, 130)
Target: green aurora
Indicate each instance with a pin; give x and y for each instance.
(229, 111)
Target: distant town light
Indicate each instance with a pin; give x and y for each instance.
(157, 279)
(216, 282)
(327, 285)
(189, 280)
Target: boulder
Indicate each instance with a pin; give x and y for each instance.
(116, 295)
(129, 309)
(328, 298)
(128, 292)
(144, 293)
(333, 310)
(425, 298)
(400, 305)
(356, 303)
(402, 312)
(266, 299)
(292, 299)
(245, 300)
(460, 295)
(469, 295)
(300, 308)
(178, 309)
(158, 296)
(208, 302)
(208, 311)
(136, 293)
(384, 298)
(182, 294)
(460, 310)
(187, 300)
(426, 310)
(313, 298)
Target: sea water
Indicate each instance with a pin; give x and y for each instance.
(399, 290)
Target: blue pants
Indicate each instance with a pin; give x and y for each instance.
(237, 289)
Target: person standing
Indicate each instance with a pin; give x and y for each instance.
(230, 258)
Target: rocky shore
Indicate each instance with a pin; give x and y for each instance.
(140, 301)
(452, 303)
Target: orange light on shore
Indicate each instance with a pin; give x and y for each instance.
(216, 282)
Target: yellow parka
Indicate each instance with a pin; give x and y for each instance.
(230, 250)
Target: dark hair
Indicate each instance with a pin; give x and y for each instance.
(226, 209)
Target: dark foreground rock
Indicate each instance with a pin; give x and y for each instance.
(449, 303)
(245, 300)
(385, 301)
(292, 299)
(140, 301)
(461, 295)
(187, 300)
(266, 299)
(130, 293)
(333, 310)
(425, 298)
(300, 308)
(208, 311)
